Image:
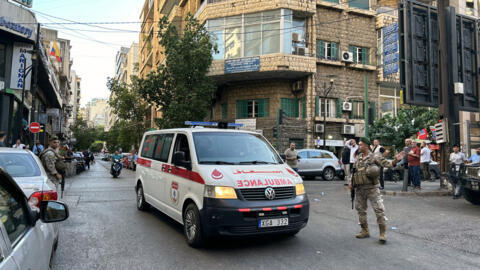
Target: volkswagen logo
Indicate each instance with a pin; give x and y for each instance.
(269, 193)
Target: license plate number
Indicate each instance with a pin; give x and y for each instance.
(274, 222)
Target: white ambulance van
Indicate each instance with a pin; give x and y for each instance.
(219, 182)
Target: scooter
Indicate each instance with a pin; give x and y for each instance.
(116, 168)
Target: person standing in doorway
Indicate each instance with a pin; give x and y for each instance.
(425, 158)
(291, 157)
(414, 166)
(2, 139)
(456, 159)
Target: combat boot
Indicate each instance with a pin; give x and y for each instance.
(383, 233)
(364, 232)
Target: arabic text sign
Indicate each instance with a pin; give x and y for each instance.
(21, 61)
(242, 65)
(390, 49)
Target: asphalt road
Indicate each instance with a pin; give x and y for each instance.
(106, 231)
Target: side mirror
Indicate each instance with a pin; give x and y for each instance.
(53, 211)
(178, 159)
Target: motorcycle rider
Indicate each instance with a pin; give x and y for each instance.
(116, 156)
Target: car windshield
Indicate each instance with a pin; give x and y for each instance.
(233, 148)
(19, 164)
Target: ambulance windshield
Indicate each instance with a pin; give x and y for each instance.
(233, 148)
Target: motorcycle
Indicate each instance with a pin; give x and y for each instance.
(116, 168)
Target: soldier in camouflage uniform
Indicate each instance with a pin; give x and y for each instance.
(49, 158)
(365, 181)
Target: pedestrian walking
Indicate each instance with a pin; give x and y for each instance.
(86, 157)
(353, 147)
(425, 158)
(346, 163)
(414, 166)
(92, 158)
(2, 139)
(18, 144)
(53, 163)
(291, 156)
(38, 148)
(365, 182)
(456, 159)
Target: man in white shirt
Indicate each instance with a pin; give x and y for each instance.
(456, 159)
(377, 149)
(352, 145)
(19, 145)
(425, 159)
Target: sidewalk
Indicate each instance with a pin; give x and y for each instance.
(428, 189)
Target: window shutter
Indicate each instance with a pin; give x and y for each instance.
(224, 111)
(304, 107)
(317, 104)
(320, 49)
(296, 107)
(339, 108)
(242, 108)
(334, 51)
(266, 107)
(352, 49)
(364, 56)
(262, 107)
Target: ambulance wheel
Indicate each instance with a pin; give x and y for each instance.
(192, 226)
(141, 203)
(292, 233)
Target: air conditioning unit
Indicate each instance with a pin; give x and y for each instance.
(349, 129)
(347, 106)
(297, 86)
(347, 56)
(319, 128)
(301, 51)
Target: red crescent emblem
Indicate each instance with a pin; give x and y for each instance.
(217, 175)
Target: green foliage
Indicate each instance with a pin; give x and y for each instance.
(121, 135)
(392, 131)
(180, 86)
(96, 146)
(85, 135)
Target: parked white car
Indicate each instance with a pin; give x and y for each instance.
(26, 235)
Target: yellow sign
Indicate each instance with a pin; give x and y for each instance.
(401, 96)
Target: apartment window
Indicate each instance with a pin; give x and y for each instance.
(252, 108)
(327, 50)
(257, 34)
(326, 107)
(470, 7)
(361, 4)
(357, 110)
(361, 55)
(2, 61)
(224, 111)
(290, 106)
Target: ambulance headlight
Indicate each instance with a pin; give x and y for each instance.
(300, 189)
(220, 192)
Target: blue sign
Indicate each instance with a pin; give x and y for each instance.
(16, 27)
(242, 65)
(390, 49)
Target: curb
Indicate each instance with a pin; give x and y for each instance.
(416, 193)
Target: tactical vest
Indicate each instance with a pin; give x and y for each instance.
(362, 164)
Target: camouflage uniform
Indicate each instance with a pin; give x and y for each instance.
(367, 188)
(49, 157)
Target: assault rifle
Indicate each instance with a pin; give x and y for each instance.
(352, 191)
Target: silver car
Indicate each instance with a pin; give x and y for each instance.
(28, 172)
(26, 234)
(314, 162)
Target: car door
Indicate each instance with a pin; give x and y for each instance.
(6, 261)
(160, 158)
(316, 162)
(30, 246)
(145, 171)
(303, 162)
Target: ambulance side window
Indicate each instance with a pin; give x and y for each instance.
(149, 146)
(162, 150)
(181, 144)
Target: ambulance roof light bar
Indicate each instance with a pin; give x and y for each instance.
(212, 124)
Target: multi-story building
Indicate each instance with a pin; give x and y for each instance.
(75, 83)
(283, 54)
(29, 89)
(95, 112)
(126, 66)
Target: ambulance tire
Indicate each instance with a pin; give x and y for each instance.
(142, 205)
(192, 226)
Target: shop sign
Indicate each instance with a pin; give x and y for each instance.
(21, 61)
(335, 143)
(242, 65)
(53, 112)
(390, 49)
(248, 124)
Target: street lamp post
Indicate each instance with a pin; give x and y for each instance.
(326, 91)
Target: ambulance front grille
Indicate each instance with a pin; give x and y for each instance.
(258, 194)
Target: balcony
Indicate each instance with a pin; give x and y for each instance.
(272, 66)
(225, 8)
